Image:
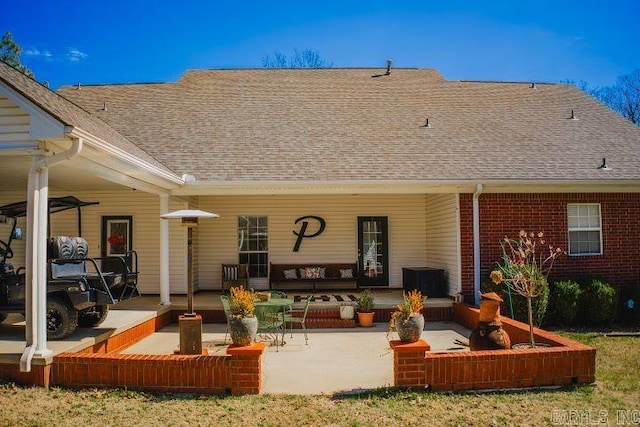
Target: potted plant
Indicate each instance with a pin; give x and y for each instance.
(525, 268)
(408, 320)
(365, 308)
(243, 324)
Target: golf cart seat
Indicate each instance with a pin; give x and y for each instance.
(69, 261)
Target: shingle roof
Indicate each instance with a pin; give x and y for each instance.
(344, 124)
(71, 114)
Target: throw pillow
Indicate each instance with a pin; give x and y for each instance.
(312, 272)
(290, 274)
(346, 273)
(321, 272)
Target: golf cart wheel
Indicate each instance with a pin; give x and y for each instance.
(2, 317)
(93, 316)
(62, 319)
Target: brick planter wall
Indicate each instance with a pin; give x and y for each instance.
(566, 362)
(506, 214)
(39, 375)
(238, 372)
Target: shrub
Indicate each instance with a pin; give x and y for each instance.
(519, 303)
(629, 306)
(563, 303)
(365, 301)
(597, 304)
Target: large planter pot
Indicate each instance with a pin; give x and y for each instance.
(365, 318)
(410, 328)
(243, 330)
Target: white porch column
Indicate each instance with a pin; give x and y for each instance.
(41, 285)
(476, 244)
(36, 257)
(165, 297)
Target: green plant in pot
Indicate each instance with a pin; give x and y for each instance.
(365, 308)
(408, 320)
(243, 324)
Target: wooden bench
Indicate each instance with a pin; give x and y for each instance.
(310, 276)
(234, 275)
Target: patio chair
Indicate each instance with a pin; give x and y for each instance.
(270, 322)
(226, 306)
(300, 317)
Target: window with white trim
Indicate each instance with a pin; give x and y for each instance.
(253, 244)
(585, 228)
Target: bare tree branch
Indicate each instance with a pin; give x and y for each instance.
(307, 58)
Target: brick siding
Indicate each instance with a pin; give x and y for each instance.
(506, 214)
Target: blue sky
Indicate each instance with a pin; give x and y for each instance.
(66, 42)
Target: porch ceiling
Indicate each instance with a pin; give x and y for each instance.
(68, 177)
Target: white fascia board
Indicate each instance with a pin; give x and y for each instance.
(133, 165)
(100, 170)
(43, 125)
(228, 188)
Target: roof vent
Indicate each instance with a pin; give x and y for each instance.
(573, 116)
(78, 86)
(533, 86)
(104, 106)
(426, 124)
(386, 73)
(603, 166)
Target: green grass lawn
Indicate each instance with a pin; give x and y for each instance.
(617, 389)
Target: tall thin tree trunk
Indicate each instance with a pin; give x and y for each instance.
(530, 309)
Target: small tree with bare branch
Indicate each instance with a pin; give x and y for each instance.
(525, 267)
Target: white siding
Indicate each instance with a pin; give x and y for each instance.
(423, 230)
(14, 123)
(443, 237)
(145, 210)
(218, 238)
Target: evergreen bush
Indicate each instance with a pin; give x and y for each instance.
(563, 302)
(597, 304)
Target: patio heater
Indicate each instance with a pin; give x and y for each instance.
(190, 323)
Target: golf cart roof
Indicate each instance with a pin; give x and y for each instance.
(56, 204)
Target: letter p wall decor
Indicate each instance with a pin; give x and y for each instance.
(302, 234)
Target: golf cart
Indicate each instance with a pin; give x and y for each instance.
(79, 289)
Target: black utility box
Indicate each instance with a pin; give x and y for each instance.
(429, 281)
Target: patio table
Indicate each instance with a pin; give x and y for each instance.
(270, 316)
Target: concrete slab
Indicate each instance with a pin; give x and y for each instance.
(13, 343)
(334, 360)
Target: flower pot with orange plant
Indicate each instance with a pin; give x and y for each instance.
(408, 320)
(243, 324)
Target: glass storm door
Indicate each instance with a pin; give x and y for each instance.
(373, 257)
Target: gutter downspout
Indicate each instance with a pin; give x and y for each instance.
(36, 256)
(476, 243)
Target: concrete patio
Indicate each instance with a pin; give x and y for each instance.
(335, 360)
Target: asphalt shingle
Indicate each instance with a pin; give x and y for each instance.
(345, 124)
